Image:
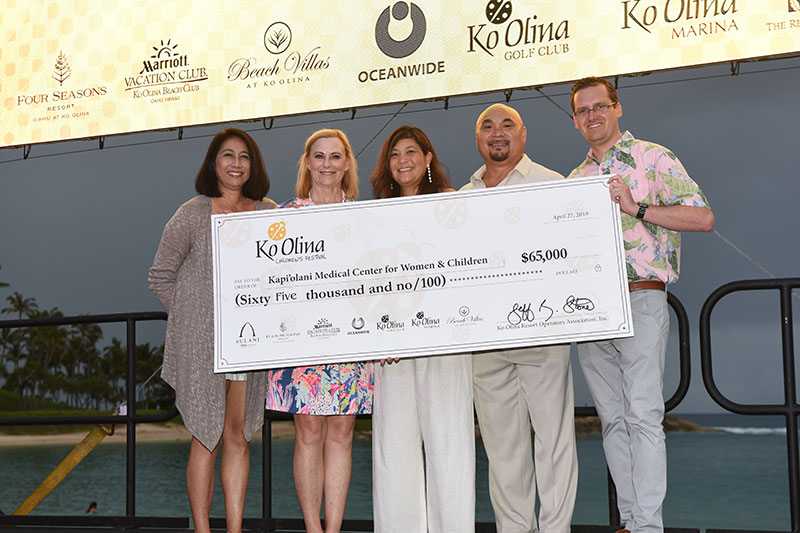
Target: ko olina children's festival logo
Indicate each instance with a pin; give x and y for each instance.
(283, 64)
(165, 75)
(394, 45)
(517, 32)
(281, 247)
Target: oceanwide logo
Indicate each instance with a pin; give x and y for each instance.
(394, 47)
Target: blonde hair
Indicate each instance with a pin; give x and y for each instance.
(350, 179)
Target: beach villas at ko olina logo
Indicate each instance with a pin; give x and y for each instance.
(281, 247)
(684, 18)
(165, 75)
(284, 65)
(525, 36)
(397, 46)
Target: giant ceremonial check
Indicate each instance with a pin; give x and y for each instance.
(435, 274)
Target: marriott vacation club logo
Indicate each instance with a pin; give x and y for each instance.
(165, 75)
(394, 47)
(283, 65)
(684, 18)
(280, 247)
(522, 37)
(323, 328)
(60, 103)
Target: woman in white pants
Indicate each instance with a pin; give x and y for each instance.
(425, 402)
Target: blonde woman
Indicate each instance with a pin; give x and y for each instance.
(324, 399)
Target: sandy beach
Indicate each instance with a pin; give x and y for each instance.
(584, 426)
(144, 433)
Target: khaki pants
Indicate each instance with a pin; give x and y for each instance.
(514, 389)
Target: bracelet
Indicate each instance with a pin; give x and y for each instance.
(642, 209)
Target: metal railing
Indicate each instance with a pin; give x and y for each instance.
(266, 522)
(789, 408)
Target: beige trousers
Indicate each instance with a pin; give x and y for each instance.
(514, 389)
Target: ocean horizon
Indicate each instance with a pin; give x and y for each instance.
(733, 477)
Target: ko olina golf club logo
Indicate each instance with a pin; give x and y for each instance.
(525, 36)
(409, 45)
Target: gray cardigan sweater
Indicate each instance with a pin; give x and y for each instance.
(181, 278)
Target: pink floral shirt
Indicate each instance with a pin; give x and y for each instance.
(655, 176)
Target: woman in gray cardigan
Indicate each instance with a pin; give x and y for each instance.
(229, 407)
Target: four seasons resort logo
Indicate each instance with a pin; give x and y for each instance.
(61, 71)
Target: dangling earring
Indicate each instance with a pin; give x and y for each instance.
(430, 179)
(391, 186)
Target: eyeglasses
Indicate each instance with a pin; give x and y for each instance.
(599, 108)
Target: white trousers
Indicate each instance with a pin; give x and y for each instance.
(626, 379)
(514, 389)
(427, 402)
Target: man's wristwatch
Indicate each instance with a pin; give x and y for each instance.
(642, 209)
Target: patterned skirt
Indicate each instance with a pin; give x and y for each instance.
(334, 389)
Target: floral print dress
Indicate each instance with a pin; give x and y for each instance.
(331, 389)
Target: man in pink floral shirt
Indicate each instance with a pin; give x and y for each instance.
(657, 200)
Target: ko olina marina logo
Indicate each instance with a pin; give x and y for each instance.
(687, 18)
(281, 247)
(409, 45)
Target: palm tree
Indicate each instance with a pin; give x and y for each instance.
(20, 305)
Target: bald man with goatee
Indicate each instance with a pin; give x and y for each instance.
(517, 388)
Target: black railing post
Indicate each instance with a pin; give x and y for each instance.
(130, 442)
(789, 409)
(790, 400)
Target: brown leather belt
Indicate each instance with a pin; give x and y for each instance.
(648, 284)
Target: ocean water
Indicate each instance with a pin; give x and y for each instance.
(735, 477)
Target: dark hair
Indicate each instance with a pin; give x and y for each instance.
(383, 184)
(592, 81)
(254, 188)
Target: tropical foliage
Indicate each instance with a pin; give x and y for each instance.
(70, 365)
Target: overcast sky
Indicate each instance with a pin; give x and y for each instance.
(80, 225)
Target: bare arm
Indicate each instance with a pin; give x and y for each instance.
(671, 217)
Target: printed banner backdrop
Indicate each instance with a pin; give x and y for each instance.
(85, 69)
